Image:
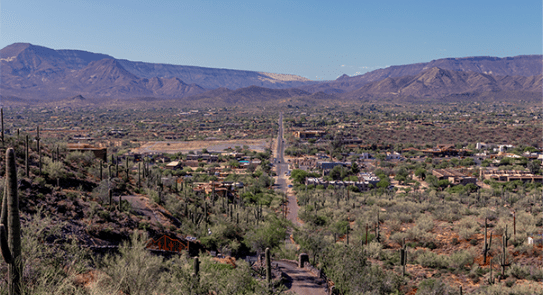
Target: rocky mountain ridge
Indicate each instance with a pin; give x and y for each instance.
(30, 72)
(437, 82)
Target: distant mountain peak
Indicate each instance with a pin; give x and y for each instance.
(77, 97)
(13, 50)
(343, 77)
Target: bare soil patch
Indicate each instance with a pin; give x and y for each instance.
(172, 147)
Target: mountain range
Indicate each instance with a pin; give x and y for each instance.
(38, 73)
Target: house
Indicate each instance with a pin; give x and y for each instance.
(503, 148)
(361, 185)
(453, 176)
(309, 134)
(191, 163)
(330, 165)
(369, 178)
(480, 146)
(510, 175)
(445, 150)
(174, 165)
(393, 156)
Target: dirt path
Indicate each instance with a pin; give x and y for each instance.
(299, 281)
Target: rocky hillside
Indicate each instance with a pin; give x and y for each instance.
(522, 65)
(438, 82)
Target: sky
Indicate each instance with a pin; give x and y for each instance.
(319, 40)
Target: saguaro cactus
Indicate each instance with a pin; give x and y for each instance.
(377, 230)
(2, 115)
(196, 272)
(139, 174)
(10, 237)
(491, 279)
(101, 173)
(27, 168)
(127, 169)
(503, 258)
(268, 266)
(38, 147)
(403, 257)
(486, 247)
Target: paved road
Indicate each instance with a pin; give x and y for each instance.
(299, 281)
(282, 168)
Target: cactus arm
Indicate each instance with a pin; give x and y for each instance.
(4, 245)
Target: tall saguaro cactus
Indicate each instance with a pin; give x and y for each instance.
(38, 147)
(27, 169)
(403, 257)
(2, 115)
(486, 246)
(268, 266)
(10, 237)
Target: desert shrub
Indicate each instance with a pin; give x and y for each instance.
(101, 191)
(404, 217)
(417, 234)
(433, 287)
(421, 230)
(520, 288)
(373, 249)
(85, 159)
(430, 259)
(461, 259)
(53, 169)
(467, 227)
(394, 225)
(425, 222)
(48, 269)
(353, 274)
(398, 237)
(136, 271)
(268, 234)
(518, 271)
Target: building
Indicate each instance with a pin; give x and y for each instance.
(369, 178)
(510, 175)
(453, 176)
(393, 156)
(309, 134)
(361, 185)
(331, 165)
(191, 163)
(445, 150)
(174, 165)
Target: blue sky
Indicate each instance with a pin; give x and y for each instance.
(314, 39)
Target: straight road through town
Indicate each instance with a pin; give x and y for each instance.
(299, 280)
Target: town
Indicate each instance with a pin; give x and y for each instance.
(221, 182)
